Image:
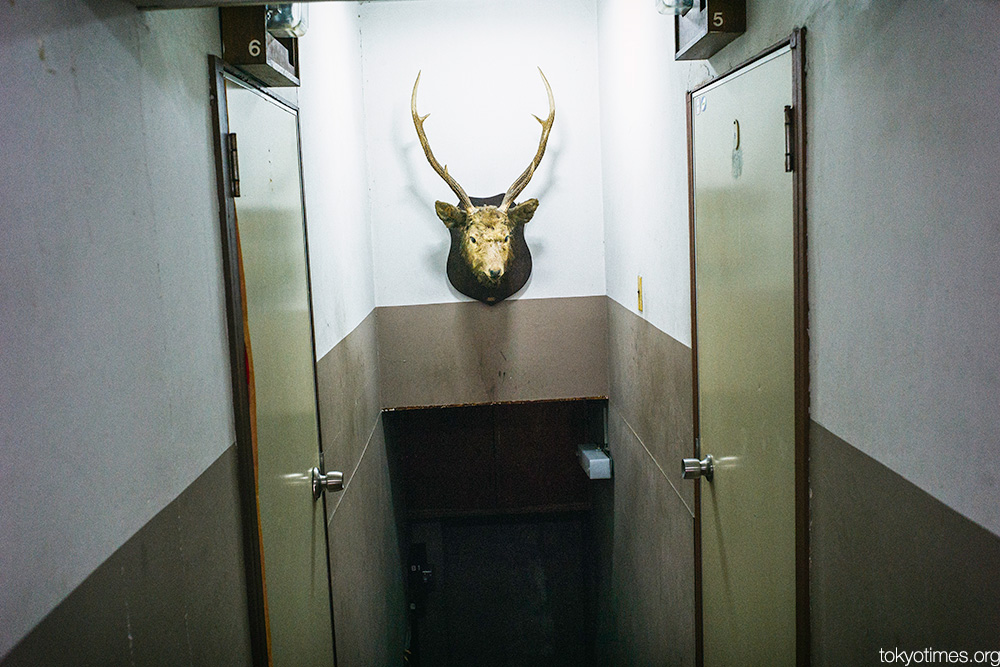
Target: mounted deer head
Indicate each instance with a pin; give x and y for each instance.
(488, 259)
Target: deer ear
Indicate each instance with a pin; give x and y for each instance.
(521, 213)
(451, 215)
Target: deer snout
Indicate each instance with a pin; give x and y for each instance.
(491, 263)
(493, 270)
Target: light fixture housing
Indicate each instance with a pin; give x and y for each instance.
(287, 19)
(676, 7)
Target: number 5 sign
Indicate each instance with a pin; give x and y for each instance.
(704, 30)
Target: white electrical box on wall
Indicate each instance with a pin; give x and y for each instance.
(594, 461)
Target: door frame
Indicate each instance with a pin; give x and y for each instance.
(796, 44)
(238, 357)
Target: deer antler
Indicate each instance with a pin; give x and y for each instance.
(418, 122)
(522, 180)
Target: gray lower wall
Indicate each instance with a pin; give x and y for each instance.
(347, 379)
(366, 561)
(644, 526)
(366, 557)
(518, 350)
(174, 593)
(893, 567)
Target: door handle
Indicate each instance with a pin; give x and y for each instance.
(331, 481)
(693, 468)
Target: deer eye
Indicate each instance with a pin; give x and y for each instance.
(472, 238)
(506, 238)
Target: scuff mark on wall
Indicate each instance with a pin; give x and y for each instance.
(41, 55)
(128, 626)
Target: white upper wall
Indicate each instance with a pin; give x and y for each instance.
(335, 172)
(905, 241)
(114, 358)
(644, 149)
(480, 85)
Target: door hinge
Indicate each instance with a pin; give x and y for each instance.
(789, 139)
(234, 165)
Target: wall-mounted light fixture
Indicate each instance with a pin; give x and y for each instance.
(288, 19)
(673, 6)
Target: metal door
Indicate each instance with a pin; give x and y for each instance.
(279, 369)
(744, 285)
